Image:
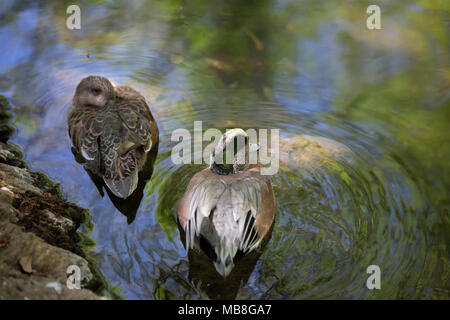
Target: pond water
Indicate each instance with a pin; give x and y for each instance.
(305, 67)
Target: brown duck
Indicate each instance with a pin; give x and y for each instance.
(112, 131)
(227, 208)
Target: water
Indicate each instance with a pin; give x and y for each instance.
(304, 67)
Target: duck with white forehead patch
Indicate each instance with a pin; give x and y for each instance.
(229, 207)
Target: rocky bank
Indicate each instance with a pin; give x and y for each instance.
(38, 231)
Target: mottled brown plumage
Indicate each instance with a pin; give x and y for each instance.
(112, 130)
(225, 212)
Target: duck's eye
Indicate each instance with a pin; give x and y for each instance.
(96, 91)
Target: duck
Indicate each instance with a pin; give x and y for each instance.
(112, 131)
(227, 210)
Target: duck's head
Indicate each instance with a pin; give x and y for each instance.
(231, 154)
(94, 91)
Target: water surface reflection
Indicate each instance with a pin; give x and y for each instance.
(305, 67)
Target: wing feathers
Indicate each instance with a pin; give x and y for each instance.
(231, 207)
(109, 140)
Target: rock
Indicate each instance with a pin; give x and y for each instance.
(5, 129)
(11, 156)
(38, 232)
(25, 263)
(18, 179)
(311, 152)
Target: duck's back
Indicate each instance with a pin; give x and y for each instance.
(113, 141)
(134, 111)
(222, 214)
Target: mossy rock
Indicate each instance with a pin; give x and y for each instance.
(11, 156)
(77, 214)
(5, 129)
(42, 182)
(5, 132)
(312, 152)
